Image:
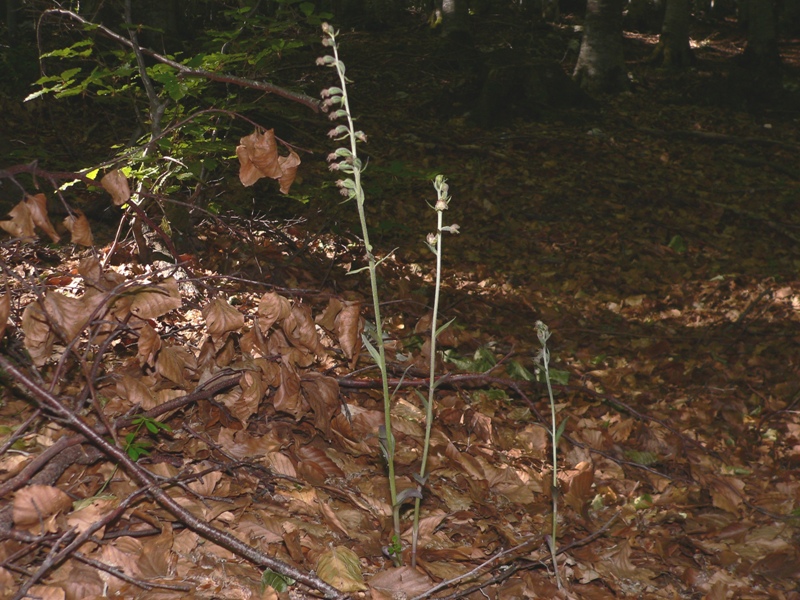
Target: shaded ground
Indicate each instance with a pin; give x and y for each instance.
(657, 237)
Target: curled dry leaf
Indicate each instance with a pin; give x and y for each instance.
(349, 327)
(289, 166)
(221, 319)
(21, 223)
(136, 392)
(258, 157)
(171, 362)
(281, 464)
(253, 390)
(322, 394)
(271, 309)
(39, 336)
(287, 397)
(36, 506)
(116, 184)
(301, 331)
(427, 526)
(5, 312)
(331, 519)
(148, 346)
(78, 225)
(91, 512)
(153, 301)
(92, 272)
(38, 208)
(319, 458)
(72, 314)
(124, 561)
(328, 318)
(579, 486)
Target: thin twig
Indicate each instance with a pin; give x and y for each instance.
(222, 538)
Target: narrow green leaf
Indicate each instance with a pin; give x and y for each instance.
(560, 429)
(373, 352)
(445, 326)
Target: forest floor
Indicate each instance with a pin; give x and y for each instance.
(656, 235)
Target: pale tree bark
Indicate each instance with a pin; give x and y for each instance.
(601, 66)
(673, 48)
(455, 21)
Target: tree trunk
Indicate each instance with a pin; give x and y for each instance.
(11, 19)
(673, 48)
(761, 51)
(601, 66)
(790, 17)
(455, 21)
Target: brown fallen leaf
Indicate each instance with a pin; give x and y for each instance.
(116, 184)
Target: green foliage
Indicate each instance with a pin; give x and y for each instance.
(642, 458)
(190, 137)
(279, 583)
(481, 361)
(136, 447)
(543, 358)
(345, 160)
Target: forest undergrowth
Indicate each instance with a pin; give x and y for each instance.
(213, 430)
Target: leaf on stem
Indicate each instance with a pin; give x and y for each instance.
(116, 184)
(258, 158)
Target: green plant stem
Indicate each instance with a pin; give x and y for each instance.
(372, 265)
(554, 435)
(423, 469)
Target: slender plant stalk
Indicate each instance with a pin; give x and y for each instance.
(543, 333)
(351, 164)
(435, 244)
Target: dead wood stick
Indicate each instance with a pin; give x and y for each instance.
(119, 573)
(222, 538)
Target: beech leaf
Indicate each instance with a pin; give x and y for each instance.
(221, 319)
(271, 309)
(37, 504)
(341, 568)
(258, 158)
(289, 166)
(349, 328)
(5, 312)
(39, 336)
(152, 301)
(78, 226)
(116, 184)
(38, 209)
(148, 346)
(21, 223)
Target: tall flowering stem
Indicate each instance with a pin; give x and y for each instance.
(434, 242)
(543, 358)
(346, 161)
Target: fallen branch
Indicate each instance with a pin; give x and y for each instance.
(151, 486)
